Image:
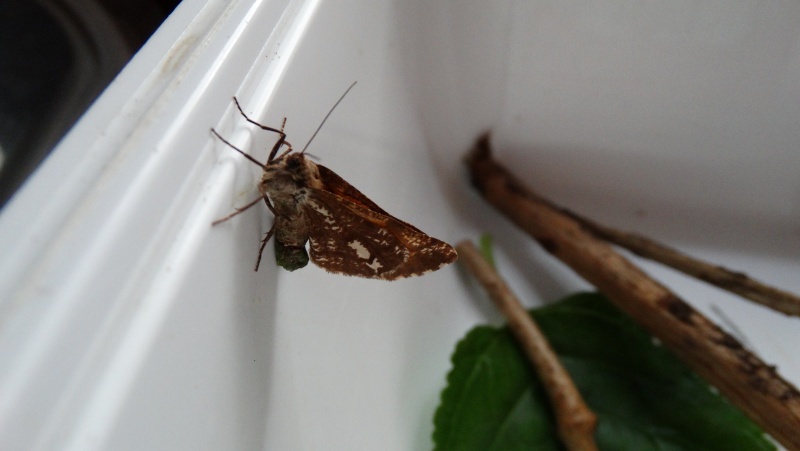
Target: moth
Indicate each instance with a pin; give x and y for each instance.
(346, 232)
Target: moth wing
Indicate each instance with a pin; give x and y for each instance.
(339, 186)
(348, 237)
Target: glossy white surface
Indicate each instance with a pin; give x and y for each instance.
(126, 321)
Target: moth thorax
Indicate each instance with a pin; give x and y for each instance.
(277, 181)
(304, 171)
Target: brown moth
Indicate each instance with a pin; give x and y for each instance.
(347, 233)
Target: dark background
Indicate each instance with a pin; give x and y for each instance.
(56, 57)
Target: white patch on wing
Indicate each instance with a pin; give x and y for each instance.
(375, 265)
(361, 251)
(324, 212)
(321, 210)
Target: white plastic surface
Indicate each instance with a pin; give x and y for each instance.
(128, 322)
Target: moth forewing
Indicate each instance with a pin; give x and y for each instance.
(352, 235)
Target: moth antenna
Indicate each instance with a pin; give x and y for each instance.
(327, 116)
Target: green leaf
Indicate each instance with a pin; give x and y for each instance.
(645, 398)
(485, 246)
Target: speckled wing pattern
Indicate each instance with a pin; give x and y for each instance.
(349, 234)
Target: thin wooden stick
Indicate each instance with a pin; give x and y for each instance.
(742, 377)
(576, 422)
(735, 282)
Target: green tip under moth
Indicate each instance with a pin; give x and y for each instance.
(290, 258)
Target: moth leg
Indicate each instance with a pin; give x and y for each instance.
(264, 244)
(269, 205)
(263, 127)
(269, 234)
(246, 155)
(281, 141)
(241, 210)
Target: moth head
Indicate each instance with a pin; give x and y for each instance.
(293, 170)
(295, 162)
(303, 170)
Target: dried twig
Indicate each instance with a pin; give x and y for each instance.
(576, 422)
(735, 282)
(747, 381)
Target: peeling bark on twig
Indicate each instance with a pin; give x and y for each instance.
(735, 282)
